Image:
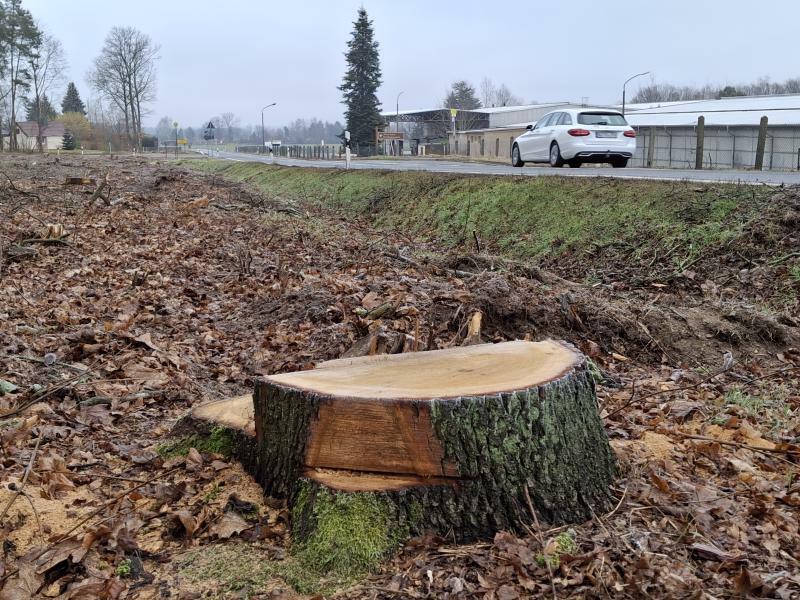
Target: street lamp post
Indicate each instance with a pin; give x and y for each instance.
(626, 83)
(397, 125)
(264, 139)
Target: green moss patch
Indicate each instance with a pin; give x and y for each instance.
(249, 570)
(346, 535)
(218, 441)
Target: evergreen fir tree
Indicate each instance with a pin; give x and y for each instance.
(361, 82)
(461, 95)
(72, 101)
(48, 112)
(67, 140)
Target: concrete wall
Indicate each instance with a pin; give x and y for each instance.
(489, 144)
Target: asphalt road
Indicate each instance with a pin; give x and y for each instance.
(467, 168)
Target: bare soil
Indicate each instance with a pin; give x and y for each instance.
(180, 287)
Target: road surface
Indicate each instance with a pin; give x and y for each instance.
(468, 168)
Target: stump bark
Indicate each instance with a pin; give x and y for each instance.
(462, 442)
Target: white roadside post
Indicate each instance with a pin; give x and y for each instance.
(453, 113)
(347, 149)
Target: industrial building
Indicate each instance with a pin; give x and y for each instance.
(666, 132)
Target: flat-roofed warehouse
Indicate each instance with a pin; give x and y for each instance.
(730, 132)
(432, 129)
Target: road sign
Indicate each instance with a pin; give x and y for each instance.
(453, 112)
(183, 141)
(389, 135)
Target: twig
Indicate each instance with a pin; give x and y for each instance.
(24, 479)
(46, 241)
(789, 451)
(35, 514)
(52, 390)
(103, 506)
(21, 293)
(56, 363)
(541, 540)
(634, 399)
(19, 191)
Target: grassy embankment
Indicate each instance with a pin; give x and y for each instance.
(537, 217)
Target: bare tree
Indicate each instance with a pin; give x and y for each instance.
(488, 91)
(45, 66)
(125, 74)
(493, 95)
(229, 121)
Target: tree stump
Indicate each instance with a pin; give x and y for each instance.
(461, 442)
(454, 441)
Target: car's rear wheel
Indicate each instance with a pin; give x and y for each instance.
(619, 163)
(555, 156)
(516, 159)
(574, 163)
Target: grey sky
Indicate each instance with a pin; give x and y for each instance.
(237, 55)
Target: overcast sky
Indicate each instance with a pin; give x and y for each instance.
(238, 55)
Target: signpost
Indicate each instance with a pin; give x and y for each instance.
(347, 149)
(175, 125)
(385, 136)
(208, 134)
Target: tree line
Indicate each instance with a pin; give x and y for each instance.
(228, 129)
(667, 92)
(32, 73)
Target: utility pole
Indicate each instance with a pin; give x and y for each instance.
(264, 139)
(626, 83)
(397, 117)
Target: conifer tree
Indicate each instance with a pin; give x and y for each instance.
(48, 113)
(361, 82)
(72, 101)
(68, 140)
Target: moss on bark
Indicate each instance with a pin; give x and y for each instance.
(548, 439)
(343, 533)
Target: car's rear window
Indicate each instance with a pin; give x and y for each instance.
(600, 118)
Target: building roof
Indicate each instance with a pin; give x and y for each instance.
(484, 110)
(31, 129)
(743, 110)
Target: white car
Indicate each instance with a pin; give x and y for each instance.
(575, 136)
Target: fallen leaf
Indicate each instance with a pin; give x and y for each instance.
(230, 524)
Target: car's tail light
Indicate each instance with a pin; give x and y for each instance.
(579, 132)
(629, 133)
